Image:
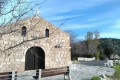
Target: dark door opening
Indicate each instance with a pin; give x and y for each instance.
(35, 58)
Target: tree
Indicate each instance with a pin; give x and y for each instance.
(14, 10)
(96, 43)
(74, 44)
(92, 40)
(11, 12)
(89, 36)
(73, 36)
(16, 14)
(108, 52)
(1, 5)
(90, 44)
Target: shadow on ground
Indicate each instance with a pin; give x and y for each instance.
(92, 63)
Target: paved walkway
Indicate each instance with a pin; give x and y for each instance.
(83, 71)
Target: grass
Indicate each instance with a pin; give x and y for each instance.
(116, 75)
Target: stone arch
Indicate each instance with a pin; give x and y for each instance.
(35, 58)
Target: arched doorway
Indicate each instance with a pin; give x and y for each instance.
(35, 58)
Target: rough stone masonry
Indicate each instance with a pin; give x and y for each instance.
(33, 43)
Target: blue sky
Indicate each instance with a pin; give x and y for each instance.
(82, 16)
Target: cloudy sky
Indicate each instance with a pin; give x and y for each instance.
(82, 16)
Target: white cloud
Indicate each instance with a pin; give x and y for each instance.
(52, 7)
(117, 24)
(64, 17)
(83, 26)
(81, 37)
(102, 35)
(76, 26)
(109, 35)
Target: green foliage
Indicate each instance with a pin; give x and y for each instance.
(95, 78)
(112, 43)
(92, 41)
(88, 48)
(89, 36)
(102, 57)
(74, 57)
(116, 75)
(108, 52)
(96, 34)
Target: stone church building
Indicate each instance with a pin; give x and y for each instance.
(33, 43)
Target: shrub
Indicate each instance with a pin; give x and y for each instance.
(108, 52)
(116, 75)
(95, 78)
(102, 57)
(74, 57)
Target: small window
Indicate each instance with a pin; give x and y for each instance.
(24, 29)
(47, 33)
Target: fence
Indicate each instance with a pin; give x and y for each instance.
(35, 74)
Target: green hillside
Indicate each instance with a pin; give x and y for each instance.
(110, 43)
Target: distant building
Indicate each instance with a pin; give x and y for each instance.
(33, 43)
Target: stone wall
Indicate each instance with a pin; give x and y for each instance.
(14, 46)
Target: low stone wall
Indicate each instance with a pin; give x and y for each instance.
(85, 59)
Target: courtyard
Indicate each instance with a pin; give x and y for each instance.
(83, 70)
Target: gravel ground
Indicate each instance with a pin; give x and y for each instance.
(83, 71)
